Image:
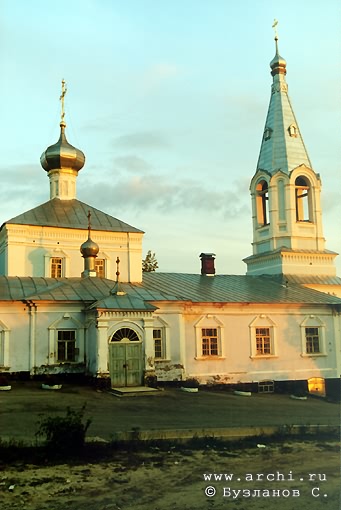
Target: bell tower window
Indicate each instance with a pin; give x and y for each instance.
(302, 197)
(262, 201)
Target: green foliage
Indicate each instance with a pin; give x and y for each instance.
(149, 264)
(64, 434)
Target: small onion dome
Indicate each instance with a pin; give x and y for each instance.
(89, 248)
(62, 154)
(278, 64)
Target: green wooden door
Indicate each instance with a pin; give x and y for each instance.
(125, 364)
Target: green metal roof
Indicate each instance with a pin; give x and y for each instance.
(279, 150)
(70, 214)
(233, 289)
(160, 287)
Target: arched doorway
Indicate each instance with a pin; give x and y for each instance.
(125, 358)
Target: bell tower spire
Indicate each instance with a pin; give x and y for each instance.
(285, 194)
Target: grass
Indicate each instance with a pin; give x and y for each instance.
(13, 451)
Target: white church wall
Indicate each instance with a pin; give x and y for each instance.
(14, 316)
(237, 360)
(51, 318)
(173, 367)
(30, 250)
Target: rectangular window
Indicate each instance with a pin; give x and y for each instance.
(312, 340)
(158, 344)
(266, 387)
(100, 268)
(209, 341)
(56, 267)
(263, 341)
(66, 345)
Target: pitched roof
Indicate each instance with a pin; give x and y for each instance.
(280, 148)
(70, 214)
(234, 289)
(161, 287)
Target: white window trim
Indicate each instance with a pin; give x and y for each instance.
(65, 323)
(102, 255)
(4, 345)
(165, 332)
(263, 321)
(57, 253)
(311, 321)
(209, 322)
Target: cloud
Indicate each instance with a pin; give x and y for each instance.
(166, 195)
(22, 176)
(143, 139)
(132, 164)
(23, 179)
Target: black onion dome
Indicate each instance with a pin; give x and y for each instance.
(62, 154)
(89, 248)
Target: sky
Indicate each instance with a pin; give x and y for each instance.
(168, 100)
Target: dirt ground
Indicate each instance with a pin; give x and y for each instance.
(174, 479)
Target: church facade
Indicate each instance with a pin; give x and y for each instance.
(74, 300)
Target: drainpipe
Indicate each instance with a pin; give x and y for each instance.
(32, 313)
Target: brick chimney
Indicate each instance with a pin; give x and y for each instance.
(207, 264)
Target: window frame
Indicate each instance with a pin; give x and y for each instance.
(205, 323)
(312, 322)
(263, 322)
(56, 267)
(159, 343)
(56, 254)
(67, 342)
(263, 341)
(209, 342)
(103, 270)
(160, 324)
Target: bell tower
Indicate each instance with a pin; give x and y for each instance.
(285, 194)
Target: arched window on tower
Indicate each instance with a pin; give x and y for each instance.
(302, 197)
(262, 201)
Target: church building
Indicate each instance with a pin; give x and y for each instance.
(74, 300)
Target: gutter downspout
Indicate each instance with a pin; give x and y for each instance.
(32, 312)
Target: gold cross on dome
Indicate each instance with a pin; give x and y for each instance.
(64, 90)
(274, 26)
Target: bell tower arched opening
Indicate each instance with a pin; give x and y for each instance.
(262, 203)
(302, 199)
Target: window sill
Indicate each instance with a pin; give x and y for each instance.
(58, 363)
(264, 356)
(313, 355)
(209, 358)
(162, 360)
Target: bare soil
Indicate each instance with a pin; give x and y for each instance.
(174, 479)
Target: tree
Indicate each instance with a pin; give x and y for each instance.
(149, 264)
